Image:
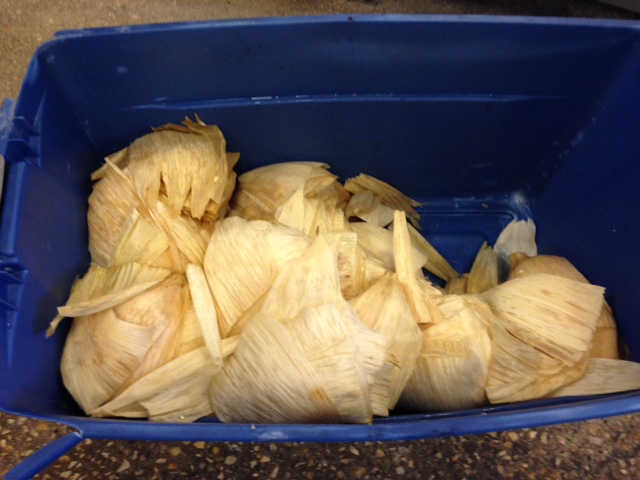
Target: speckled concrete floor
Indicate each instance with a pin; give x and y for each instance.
(605, 448)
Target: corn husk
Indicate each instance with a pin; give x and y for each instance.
(351, 262)
(185, 234)
(484, 272)
(605, 341)
(317, 339)
(177, 391)
(99, 355)
(367, 206)
(377, 243)
(205, 312)
(185, 165)
(242, 260)
(102, 288)
(453, 363)
(372, 355)
(384, 308)
(163, 307)
(329, 346)
(457, 285)
(519, 236)
(190, 162)
(309, 215)
(541, 333)
(435, 262)
(419, 294)
(269, 380)
(191, 333)
(261, 191)
(118, 232)
(519, 371)
(313, 280)
(388, 195)
(604, 375)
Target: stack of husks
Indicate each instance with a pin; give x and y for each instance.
(291, 297)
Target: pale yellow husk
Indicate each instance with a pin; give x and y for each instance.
(542, 331)
(453, 363)
(605, 341)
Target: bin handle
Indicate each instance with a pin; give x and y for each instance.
(41, 459)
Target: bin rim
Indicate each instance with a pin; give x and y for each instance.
(348, 18)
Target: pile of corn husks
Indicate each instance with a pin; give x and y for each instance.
(291, 297)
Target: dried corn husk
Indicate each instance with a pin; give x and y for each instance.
(163, 307)
(309, 215)
(388, 195)
(188, 161)
(604, 375)
(605, 341)
(457, 285)
(102, 288)
(383, 307)
(242, 260)
(367, 206)
(435, 262)
(313, 280)
(330, 347)
(331, 377)
(100, 353)
(377, 243)
(205, 312)
(541, 333)
(484, 271)
(176, 391)
(517, 236)
(351, 262)
(185, 233)
(186, 166)
(519, 371)
(261, 191)
(453, 363)
(419, 294)
(118, 232)
(269, 380)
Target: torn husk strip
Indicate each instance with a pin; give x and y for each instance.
(377, 243)
(604, 375)
(367, 206)
(389, 196)
(205, 311)
(484, 271)
(103, 288)
(517, 236)
(435, 262)
(424, 310)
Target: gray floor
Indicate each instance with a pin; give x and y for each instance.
(593, 449)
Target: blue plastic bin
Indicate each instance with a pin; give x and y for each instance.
(484, 119)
